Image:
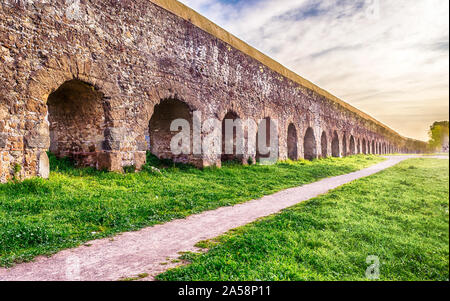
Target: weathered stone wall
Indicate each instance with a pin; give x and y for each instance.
(83, 78)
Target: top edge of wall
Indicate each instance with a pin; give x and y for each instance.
(188, 14)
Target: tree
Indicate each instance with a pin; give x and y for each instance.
(439, 136)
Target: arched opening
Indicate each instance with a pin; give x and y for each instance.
(374, 151)
(309, 145)
(335, 151)
(268, 150)
(77, 122)
(292, 142)
(167, 111)
(324, 144)
(364, 146)
(231, 151)
(344, 145)
(352, 145)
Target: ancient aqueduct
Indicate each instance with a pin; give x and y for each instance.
(99, 80)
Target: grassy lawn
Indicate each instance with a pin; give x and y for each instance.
(400, 215)
(41, 216)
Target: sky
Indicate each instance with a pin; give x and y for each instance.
(388, 58)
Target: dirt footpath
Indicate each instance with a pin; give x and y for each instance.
(144, 251)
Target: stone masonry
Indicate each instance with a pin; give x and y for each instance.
(100, 80)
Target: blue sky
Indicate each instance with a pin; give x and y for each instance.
(388, 58)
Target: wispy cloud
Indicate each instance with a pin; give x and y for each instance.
(388, 58)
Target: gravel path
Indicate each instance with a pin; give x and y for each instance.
(145, 251)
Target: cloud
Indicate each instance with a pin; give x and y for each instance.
(388, 58)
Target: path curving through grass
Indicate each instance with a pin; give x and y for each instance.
(146, 251)
(398, 217)
(42, 217)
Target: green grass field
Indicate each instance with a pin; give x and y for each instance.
(41, 216)
(399, 215)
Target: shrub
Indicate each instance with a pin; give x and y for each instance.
(129, 169)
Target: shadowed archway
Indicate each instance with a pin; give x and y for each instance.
(160, 133)
(309, 145)
(324, 144)
(292, 142)
(344, 145)
(265, 150)
(335, 150)
(352, 145)
(231, 150)
(77, 122)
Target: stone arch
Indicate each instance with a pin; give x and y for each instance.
(292, 142)
(236, 153)
(309, 145)
(335, 148)
(324, 144)
(77, 122)
(374, 151)
(271, 129)
(160, 134)
(364, 146)
(45, 82)
(352, 145)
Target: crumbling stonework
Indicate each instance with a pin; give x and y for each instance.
(84, 79)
